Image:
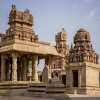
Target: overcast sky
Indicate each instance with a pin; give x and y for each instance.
(50, 16)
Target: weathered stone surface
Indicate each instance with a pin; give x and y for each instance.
(84, 60)
(78, 64)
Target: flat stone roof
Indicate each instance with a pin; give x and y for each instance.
(29, 47)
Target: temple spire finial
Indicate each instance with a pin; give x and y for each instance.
(13, 5)
(63, 30)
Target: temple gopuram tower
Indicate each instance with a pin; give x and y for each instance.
(62, 48)
(83, 70)
(20, 26)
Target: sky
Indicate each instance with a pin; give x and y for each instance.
(50, 16)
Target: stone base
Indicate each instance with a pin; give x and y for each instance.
(15, 88)
(90, 91)
(37, 88)
(93, 91)
(52, 87)
(14, 85)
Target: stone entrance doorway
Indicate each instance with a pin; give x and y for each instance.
(64, 79)
(75, 78)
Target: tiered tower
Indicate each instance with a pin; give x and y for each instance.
(62, 48)
(20, 26)
(61, 42)
(83, 70)
(82, 50)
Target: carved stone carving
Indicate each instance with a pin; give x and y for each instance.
(20, 26)
(82, 49)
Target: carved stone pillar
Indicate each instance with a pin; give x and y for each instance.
(2, 68)
(80, 78)
(49, 67)
(25, 69)
(67, 77)
(35, 68)
(30, 70)
(71, 78)
(63, 63)
(14, 67)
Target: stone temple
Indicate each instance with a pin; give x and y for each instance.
(21, 50)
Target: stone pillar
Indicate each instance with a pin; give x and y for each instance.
(14, 67)
(67, 77)
(30, 70)
(25, 69)
(2, 68)
(79, 78)
(34, 68)
(63, 63)
(71, 78)
(49, 67)
(21, 70)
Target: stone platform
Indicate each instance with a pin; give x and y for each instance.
(53, 87)
(37, 89)
(14, 85)
(17, 88)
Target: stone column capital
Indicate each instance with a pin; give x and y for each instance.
(35, 57)
(3, 56)
(14, 55)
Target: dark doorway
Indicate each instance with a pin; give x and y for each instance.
(75, 78)
(64, 79)
(40, 78)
